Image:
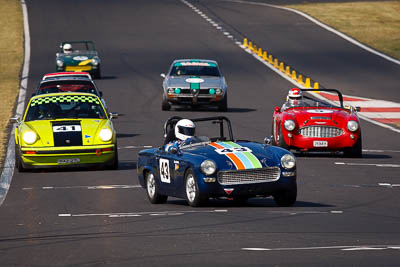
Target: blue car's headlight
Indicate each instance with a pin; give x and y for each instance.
(208, 167)
(288, 161)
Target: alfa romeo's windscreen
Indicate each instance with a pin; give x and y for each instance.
(195, 69)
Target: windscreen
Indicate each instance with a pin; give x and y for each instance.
(307, 103)
(65, 106)
(67, 86)
(195, 68)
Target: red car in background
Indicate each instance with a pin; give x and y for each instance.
(309, 124)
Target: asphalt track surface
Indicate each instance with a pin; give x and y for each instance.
(348, 210)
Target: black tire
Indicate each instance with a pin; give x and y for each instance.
(281, 141)
(286, 198)
(192, 191)
(152, 189)
(18, 160)
(355, 151)
(115, 164)
(223, 106)
(165, 105)
(97, 74)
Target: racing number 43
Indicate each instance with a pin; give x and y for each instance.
(164, 171)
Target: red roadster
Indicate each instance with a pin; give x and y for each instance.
(308, 124)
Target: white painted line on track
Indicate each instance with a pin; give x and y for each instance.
(9, 162)
(381, 151)
(90, 187)
(369, 164)
(134, 147)
(343, 248)
(138, 214)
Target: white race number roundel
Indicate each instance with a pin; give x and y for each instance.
(80, 58)
(194, 80)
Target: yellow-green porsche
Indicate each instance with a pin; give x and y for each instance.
(65, 130)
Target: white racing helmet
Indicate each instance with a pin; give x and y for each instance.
(184, 129)
(67, 48)
(294, 94)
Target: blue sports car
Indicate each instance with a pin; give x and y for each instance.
(216, 167)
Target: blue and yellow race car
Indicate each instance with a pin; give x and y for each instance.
(216, 166)
(65, 130)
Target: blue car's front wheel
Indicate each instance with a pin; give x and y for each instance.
(152, 190)
(193, 195)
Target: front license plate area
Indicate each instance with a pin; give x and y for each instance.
(68, 161)
(320, 143)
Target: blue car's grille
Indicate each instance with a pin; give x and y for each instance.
(250, 176)
(320, 131)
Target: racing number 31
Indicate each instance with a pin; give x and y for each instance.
(164, 171)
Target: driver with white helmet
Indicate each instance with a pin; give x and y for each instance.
(294, 98)
(184, 130)
(67, 48)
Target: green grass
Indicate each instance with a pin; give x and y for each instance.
(376, 24)
(11, 57)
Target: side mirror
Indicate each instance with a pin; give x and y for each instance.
(101, 93)
(277, 109)
(15, 119)
(113, 115)
(268, 140)
(173, 150)
(162, 75)
(358, 109)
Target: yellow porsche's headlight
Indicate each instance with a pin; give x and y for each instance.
(29, 137)
(105, 134)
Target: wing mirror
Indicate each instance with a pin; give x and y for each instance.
(358, 109)
(15, 119)
(173, 150)
(277, 109)
(113, 115)
(268, 140)
(162, 75)
(101, 93)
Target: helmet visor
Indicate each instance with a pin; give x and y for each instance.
(189, 131)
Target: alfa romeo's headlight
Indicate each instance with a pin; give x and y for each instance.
(105, 134)
(288, 161)
(95, 61)
(208, 167)
(352, 126)
(289, 125)
(60, 63)
(30, 137)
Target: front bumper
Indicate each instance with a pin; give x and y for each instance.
(75, 156)
(332, 143)
(189, 99)
(264, 189)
